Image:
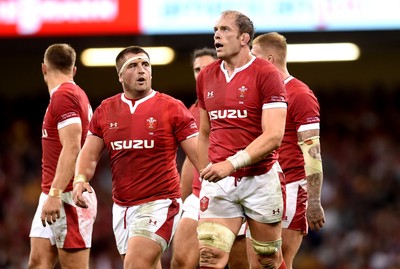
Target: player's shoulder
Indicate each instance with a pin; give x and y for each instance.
(299, 86)
(212, 67)
(68, 91)
(166, 97)
(65, 88)
(111, 100)
(263, 65)
(262, 69)
(166, 101)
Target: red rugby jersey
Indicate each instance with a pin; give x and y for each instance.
(142, 139)
(235, 105)
(303, 111)
(68, 104)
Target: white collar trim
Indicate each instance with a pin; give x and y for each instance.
(132, 107)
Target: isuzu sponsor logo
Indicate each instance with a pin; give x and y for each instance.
(227, 114)
(132, 144)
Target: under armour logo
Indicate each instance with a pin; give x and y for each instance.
(113, 124)
(276, 211)
(152, 222)
(210, 94)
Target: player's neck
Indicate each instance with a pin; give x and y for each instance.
(285, 73)
(237, 61)
(134, 96)
(56, 79)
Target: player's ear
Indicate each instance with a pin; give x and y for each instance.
(120, 79)
(245, 38)
(44, 69)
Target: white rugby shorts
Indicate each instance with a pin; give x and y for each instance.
(156, 220)
(257, 197)
(191, 207)
(296, 206)
(73, 230)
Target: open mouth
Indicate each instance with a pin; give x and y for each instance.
(141, 80)
(218, 45)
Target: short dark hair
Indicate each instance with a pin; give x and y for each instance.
(204, 52)
(243, 22)
(119, 60)
(60, 56)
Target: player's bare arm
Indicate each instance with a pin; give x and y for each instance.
(309, 142)
(203, 139)
(70, 138)
(85, 168)
(186, 178)
(273, 124)
(189, 146)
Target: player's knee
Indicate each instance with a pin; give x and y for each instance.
(33, 263)
(178, 260)
(36, 262)
(215, 241)
(269, 253)
(215, 235)
(212, 257)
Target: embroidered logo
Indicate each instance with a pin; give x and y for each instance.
(113, 125)
(154, 222)
(210, 94)
(275, 211)
(204, 203)
(276, 98)
(151, 124)
(242, 93)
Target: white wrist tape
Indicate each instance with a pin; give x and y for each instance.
(55, 192)
(79, 178)
(240, 159)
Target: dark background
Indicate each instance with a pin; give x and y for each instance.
(359, 138)
(21, 58)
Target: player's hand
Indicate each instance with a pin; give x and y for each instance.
(77, 193)
(315, 215)
(216, 172)
(51, 210)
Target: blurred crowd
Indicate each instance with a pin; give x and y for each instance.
(360, 151)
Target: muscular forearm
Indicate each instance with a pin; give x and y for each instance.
(202, 152)
(86, 167)
(186, 178)
(65, 167)
(273, 126)
(314, 187)
(88, 157)
(262, 146)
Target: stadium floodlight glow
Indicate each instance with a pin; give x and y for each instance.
(106, 56)
(322, 52)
